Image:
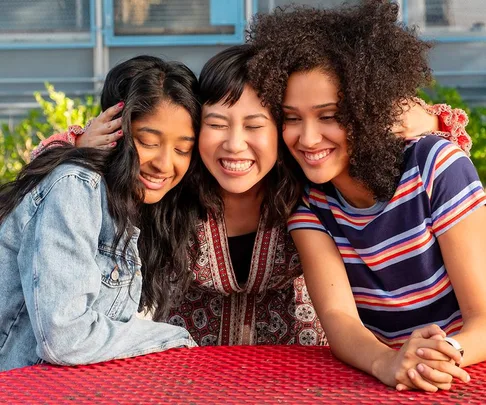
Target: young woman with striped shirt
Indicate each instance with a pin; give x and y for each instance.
(391, 232)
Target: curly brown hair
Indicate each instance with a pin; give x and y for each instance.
(377, 63)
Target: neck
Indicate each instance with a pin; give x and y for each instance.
(353, 191)
(242, 211)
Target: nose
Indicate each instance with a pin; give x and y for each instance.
(235, 141)
(310, 135)
(162, 160)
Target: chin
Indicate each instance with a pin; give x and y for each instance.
(317, 178)
(153, 199)
(236, 188)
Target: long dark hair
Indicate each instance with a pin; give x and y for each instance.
(166, 227)
(223, 79)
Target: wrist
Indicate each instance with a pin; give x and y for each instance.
(74, 133)
(456, 345)
(381, 366)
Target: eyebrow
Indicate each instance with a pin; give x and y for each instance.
(314, 107)
(248, 117)
(253, 116)
(216, 115)
(159, 133)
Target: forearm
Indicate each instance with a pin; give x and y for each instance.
(80, 342)
(471, 338)
(352, 343)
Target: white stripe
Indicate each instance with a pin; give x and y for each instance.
(410, 307)
(465, 191)
(378, 292)
(391, 335)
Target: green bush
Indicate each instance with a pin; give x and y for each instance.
(54, 115)
(477, 122)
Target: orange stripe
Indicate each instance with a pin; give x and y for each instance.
(473, 204)
(401, 303)
(392, 256)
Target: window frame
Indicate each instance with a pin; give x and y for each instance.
(446, 38)
(14, 42)
(111, 39)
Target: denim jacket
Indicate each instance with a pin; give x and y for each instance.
(67, 295)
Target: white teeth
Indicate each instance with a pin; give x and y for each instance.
(317, 156)
(153, 179)
(237, 166)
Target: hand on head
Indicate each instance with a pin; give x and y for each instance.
(104, 130)
(414, 120)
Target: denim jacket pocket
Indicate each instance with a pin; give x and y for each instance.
(121, 283)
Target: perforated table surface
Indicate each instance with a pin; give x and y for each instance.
(222, 375)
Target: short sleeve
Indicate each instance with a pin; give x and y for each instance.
(452, 184)
(305, 216)
(57, 139)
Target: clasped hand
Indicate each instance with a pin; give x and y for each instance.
(425, 362)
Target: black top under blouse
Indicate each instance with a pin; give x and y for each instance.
(241, 251)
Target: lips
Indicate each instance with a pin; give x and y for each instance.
(317, 157)
(153, 182)
(236, 165)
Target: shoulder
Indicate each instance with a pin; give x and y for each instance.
(422, 146)
(68, 179)
(433, 152)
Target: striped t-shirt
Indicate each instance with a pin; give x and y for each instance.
(390, 250)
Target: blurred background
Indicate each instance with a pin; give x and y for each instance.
(55, 54)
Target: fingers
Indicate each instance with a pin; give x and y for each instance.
(111, 112)
(428, 331)
(433, 375)
(437, 337)
(440, 346)
(111, 126)
(451, 369)
(420, 382)
(431, 354)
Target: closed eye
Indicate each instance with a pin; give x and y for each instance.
(217, 126)
(183, 152)
(147, 145)
(291, 119)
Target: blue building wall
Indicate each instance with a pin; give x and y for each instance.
(73, 43)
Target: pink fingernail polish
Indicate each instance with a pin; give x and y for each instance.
(121, 104)
(120, 132)
(113, 144)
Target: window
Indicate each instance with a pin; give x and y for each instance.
(44, 22)
(265, 6)
(166, 22)
(447, 19)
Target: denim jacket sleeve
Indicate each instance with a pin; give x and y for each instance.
(61, 281)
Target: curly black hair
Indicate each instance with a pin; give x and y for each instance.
(222, 80)
(376, 62)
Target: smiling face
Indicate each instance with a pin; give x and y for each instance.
(238, 144)
(311, 132)
(164, 142)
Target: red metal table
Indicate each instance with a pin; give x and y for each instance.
(222, 375)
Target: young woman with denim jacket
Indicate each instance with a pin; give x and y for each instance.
(71, 280)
